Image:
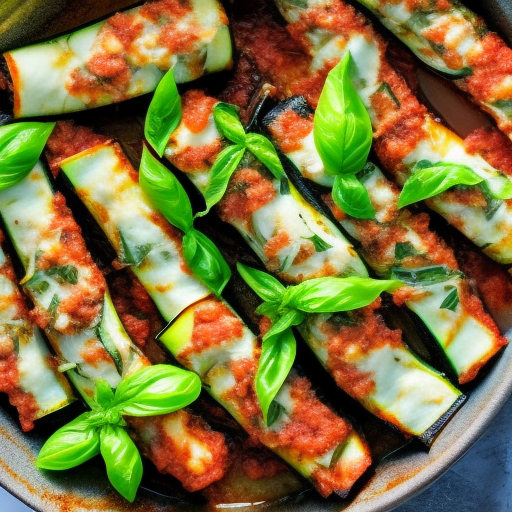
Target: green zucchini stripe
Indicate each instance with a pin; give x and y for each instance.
(99, 174)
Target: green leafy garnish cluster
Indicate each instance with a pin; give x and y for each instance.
(21, 145)
(288, 306)
(343, 137)
(171, 200)
(151, 391)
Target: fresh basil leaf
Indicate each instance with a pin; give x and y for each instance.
(266, 287)
(70, 446)
(227, 121)
(426, 275)
(276, 360)
(342, 128)
(223, 168)
(103, 395)
(53, 308)
(428, 182)
(164, 113)
(21, 145)
(352, 197)
(451, 301)
(333, 294)
(66, 273)
(155, 390)
(206, 261)
(122, 459)
(320, 244)
(385, 87)
(165, 192)
(403, 250)
(284, 321)
(266, 153)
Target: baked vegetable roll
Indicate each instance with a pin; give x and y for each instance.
(399, 242)
(210, 339)
(73, 306)
(451, 39)
(406, 136)
(93, 190)
(119, 58)
(28, 372)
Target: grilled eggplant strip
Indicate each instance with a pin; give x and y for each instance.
(50, 246)
(270, 221)
(28, 372)
(119, 58)
(400, 240)
(210, 339)
(451, 39)
(405, 133)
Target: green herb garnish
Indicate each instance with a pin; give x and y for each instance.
(150, 391)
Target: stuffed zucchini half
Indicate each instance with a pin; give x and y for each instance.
(399, 242)
(272, 219)
(210, 339)
(119, 58)
(405, 134)
(73, 306)
(453, 40)
(28, 373)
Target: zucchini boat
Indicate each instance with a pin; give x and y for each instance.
(399, 242)
(119, 58)
(254, 203)
(210, 339)
(404, 132)
(28, 373)
(450, 38)
(73, 306)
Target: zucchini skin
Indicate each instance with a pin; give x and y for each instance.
(120, 58)
(209, 338)
(45, 235)
(404, 132)
(28, 373)
(399, 239)
(250, 195)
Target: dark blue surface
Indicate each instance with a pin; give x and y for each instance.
(479, 482)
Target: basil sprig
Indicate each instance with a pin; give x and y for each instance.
(227, 121)
(21, 145)
(164, 113)
(342, 132)
(151, 391)
(430, 179)
(171, 200)
(288, 306)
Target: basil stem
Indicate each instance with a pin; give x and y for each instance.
(428, 180)
(21, 145)
(342, 127)
(164, 113)
(150, 391)
(171, 200)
